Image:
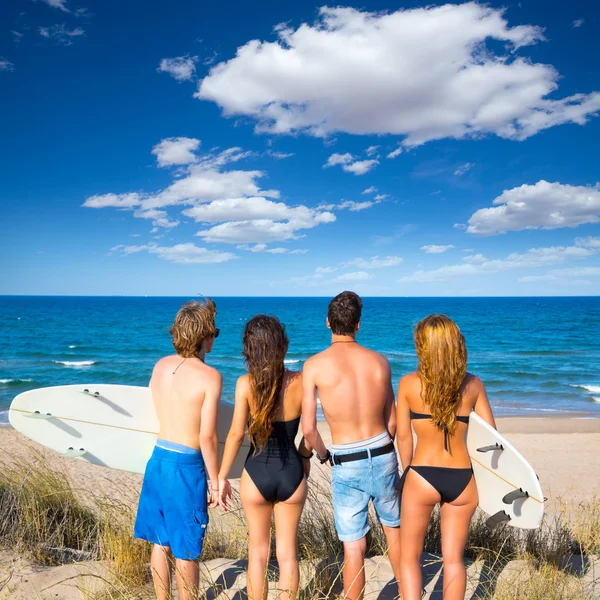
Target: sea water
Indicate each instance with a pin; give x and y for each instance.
(535, 355)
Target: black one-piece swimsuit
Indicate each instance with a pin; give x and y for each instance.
(277, 470)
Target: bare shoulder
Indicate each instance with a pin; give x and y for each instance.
(294, 380)
(410, 381)
(472, 384)
(243, 385)
(314, 361)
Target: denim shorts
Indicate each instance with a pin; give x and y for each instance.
(354, 484)
(173, 507)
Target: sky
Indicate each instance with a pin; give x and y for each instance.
(299, 149)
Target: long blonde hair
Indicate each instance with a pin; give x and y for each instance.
(265, 345)
(442, 355)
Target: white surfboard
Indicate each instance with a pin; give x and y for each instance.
(113, 426)
(509, 490)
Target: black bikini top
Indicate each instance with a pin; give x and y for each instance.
(417, 416)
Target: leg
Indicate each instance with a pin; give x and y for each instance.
(258, 514)
(354, 569)
(287, 517)
(392, 536)
(456, 518)
(187, 574)
(161, 561)
(418, 500)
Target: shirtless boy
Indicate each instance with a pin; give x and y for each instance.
(356, 394)
(172, 512)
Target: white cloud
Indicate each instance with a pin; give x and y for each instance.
(361, 167)
(339, 159)
(323, 270)
(462, 169)
(589, 242)
(60, 4)
(434, 249)
(258, 230)
(381, 197)
(181, 68)
(350, 205)
(6, 65)
(375, 262)
(263, 248)
(184, 254)
(480, 265)
(563, 275)
(423, 73)
(578, 23)
(541, 206)
(356, 276)
(159, 217)
(17, 35)
(176, 151)
(395, 153)
(61, 34)
(253, 208)
(372, 150)
(241, 212)
(280, 155)
(113, 200)
(349, 163)
(370, 190)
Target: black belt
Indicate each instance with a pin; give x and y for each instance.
(362, 454)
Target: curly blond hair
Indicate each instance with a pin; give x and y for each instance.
(442, 354)
(194, 323)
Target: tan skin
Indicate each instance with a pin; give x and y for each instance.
(357, 397)
(419, 497)
(186, 394)
(258, 511)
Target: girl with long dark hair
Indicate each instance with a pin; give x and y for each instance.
(268, 403)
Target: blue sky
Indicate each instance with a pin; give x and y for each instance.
(290, 149)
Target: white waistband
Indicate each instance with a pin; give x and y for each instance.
(373, 442)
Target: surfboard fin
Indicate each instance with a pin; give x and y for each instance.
(514, 495)
(491, 448)
(72, 453)
(500, 517)
(38, 415)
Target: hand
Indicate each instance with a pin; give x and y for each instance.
(225, 493)
(213, 499)
(306, 465)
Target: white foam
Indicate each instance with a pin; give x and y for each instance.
(15, 380)
(291, 361)
(592, 389)
(72, 347)
(75, 363)
(595, 399)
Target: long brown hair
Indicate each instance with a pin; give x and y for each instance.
(265, 345)
(442, 355)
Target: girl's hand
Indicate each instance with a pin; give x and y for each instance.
(306, 465)
(225, 493)
(213, 500)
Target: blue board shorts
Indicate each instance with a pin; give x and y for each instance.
(356, 483)
(173, 506)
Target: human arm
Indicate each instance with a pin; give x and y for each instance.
(482, 405)
(390, 404)
(404, 437)
(309, 411)
(209, 440)
(235, 437)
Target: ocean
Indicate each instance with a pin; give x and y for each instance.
(535, 355)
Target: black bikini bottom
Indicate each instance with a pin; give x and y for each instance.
(448, 482)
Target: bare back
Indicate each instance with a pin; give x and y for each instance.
(179, 388)
(355, 390)
(430, 448)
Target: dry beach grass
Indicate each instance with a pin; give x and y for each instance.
(44, 518)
